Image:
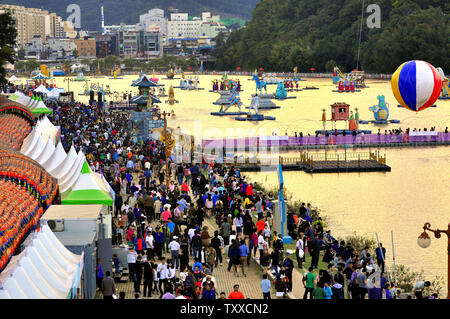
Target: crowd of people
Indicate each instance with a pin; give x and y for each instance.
(163, 226)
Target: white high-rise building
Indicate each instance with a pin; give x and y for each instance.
(154, 21)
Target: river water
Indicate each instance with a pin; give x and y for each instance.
(417, 190)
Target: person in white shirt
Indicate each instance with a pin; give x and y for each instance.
(163, 272)
(131, 260)
(171, 273)
(261, 242)
(174, 247)
(149, 243)
(300, 250)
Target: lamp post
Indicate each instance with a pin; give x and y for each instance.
(424, 241)
(165, 115)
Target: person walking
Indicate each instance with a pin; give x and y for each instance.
(300, 250)
(288, 266)
(148, 277)
(308, 282)
(381, 255)
(216, 244)
(108, 286)
(265, 287)
(244, 251)
(174, 248)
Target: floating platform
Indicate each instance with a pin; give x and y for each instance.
(310, 88)
(346, 91)
(286, 98)
(186, 89)
(266, 107)
(170, 78)
(254, 117)
(332, 166)
(115, 78)
(379, 122)
(227, 113)
(444, 98)
(211, 91)
(340, 132)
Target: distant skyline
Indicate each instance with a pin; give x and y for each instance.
(114, 13)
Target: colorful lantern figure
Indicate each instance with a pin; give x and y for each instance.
(416, 85)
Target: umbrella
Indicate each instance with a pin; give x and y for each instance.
(312, 69)
(189, 68)
(261, 69)
(238, 67)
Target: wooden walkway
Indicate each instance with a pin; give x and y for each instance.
(321, 163)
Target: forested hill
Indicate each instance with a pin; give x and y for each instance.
(321, 33)
(128, 11)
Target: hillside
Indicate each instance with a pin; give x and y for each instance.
(128, 11)
(287, 33)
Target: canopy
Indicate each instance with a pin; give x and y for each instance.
(14, 79)
(88, 189)
(20, 98)
(42, 89)
(46, 153)
(38, 148)
(54, 94)
(44, 270)
(40, 107)
(40, 76)
(58, 156)
(65, 166)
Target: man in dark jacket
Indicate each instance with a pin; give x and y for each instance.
(288, 266)
(148, 207)
(148, 277)
(316, 243)
(215, 243)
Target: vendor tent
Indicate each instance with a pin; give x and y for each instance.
(40, 76)
(75, 169)
(44, 270)
(46, 153)
(39, 107)
(14, 79)
(86, 191)
(20, 98)
(58, 156)
(66, 165)
(42, 89)
(38, 148)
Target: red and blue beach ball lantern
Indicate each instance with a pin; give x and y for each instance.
(416, 85)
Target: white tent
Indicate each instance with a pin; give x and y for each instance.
(42, 89)
(38, 148)
(46, 153)
(28, 141)
(47, 130)
(56, 159)
(45, 269)
(14, 78)
(66, 165)
(75, 169)
(20, 98)
(54, 94)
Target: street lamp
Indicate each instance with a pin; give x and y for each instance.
(424, 241)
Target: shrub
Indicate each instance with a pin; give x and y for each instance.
(358, 242)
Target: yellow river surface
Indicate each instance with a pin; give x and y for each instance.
(417, 190)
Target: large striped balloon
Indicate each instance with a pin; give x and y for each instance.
(416, 85)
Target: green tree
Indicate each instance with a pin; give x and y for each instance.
(8, 35)
(31, 65)
(75, 53)
(21, 54)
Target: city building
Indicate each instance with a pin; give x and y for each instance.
(34, 48)
(32, 22)
(105, 45)
(154, 20)
(112, 29)
(60, 47)
(139, 43)
(86, 47)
